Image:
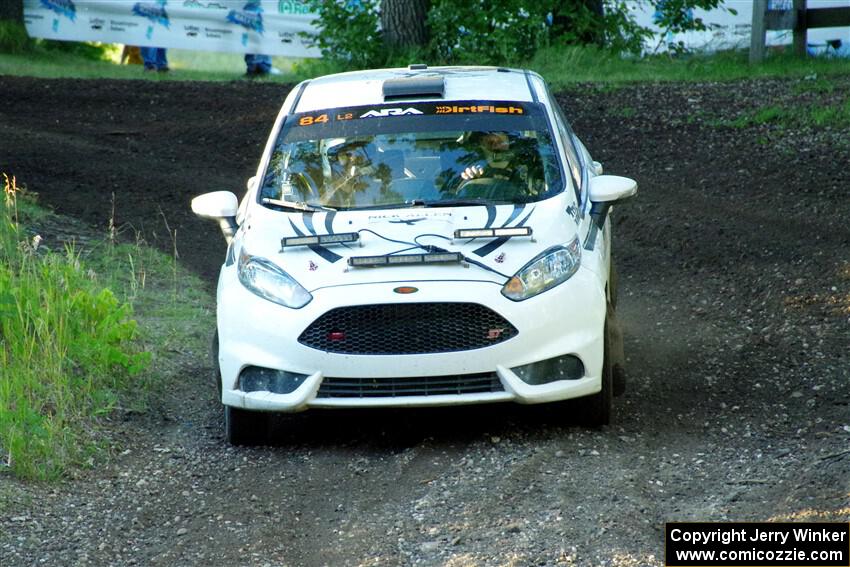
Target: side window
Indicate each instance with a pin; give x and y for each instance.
(573, 159)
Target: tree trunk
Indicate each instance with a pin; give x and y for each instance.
(565, 19)
(12, 10)
(404, 23)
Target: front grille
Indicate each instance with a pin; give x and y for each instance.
(407, 328)
(419, 386)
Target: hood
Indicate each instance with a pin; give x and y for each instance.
(394, 230)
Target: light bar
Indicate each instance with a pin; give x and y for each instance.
(337, 238)
(405, 259)
(492, 232)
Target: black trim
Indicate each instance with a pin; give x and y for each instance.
(320, 250)
(491, 215)
(531, 87)
(329, 222)
(518, 208)
(298, 97)
(262, 176)
(407, 282)
(495, 244)
(230, 259)
(308, 222)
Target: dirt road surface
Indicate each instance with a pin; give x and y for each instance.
(734, 296)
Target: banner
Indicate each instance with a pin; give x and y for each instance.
(270, 27)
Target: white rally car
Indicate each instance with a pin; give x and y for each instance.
(417, 237)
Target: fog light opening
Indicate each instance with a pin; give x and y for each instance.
(551, 370)
(256, 379)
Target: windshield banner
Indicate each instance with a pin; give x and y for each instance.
(400, 117)
(408, 109)
(270, 27)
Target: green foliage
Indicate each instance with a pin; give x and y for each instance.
(676, 16)
(92, 50)
(487, 31)
(495, 32)
(835, 115)
(349, 34)
(621, 33)
(815, 85)
(566, 65)
(623, 112)
(14, 38)
(66, 351)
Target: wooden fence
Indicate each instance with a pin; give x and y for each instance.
(799, 18)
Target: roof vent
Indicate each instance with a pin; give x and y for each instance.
(417, 66)
(414, 87)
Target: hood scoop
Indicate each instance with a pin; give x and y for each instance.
(414, 87)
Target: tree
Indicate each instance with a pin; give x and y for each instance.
(12, 10)
(404, 23)
(13, 34)
(579, 19)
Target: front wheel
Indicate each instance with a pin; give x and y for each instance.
(243, 427)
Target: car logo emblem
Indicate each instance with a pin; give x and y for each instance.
(494, 334)
(406, 290)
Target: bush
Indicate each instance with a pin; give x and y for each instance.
(495, 32)
(14, 38)
(349, 35)
(487, 31)
(92, 50)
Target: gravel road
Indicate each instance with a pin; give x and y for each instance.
(734, 270)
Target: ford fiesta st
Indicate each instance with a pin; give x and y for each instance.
(417, 237)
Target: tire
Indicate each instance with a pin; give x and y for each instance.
(618, 370)
(613, 284)
(595, 410)
(216, 373)
(243, 427)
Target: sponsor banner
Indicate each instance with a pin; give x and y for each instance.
(400, 117)
(757, 544)
(271, 27)
(401, 109)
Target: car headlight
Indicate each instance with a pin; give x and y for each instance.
(267, 280)
(553, 267)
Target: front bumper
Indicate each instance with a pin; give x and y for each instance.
(567, 320)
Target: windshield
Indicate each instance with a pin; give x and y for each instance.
(413, 153)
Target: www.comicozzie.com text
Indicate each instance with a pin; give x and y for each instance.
(756, 534)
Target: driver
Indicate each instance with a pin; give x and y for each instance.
(352, 173)
(496, 149)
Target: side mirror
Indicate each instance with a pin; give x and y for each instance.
(606, 190)
(611, 188)
(220, 206)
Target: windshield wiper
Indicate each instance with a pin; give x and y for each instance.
(295, 205)
(455, 203)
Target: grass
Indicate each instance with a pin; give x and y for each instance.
(834, 115)
(562, 66)
(624, 112)
(71, 351)
(185, 66)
